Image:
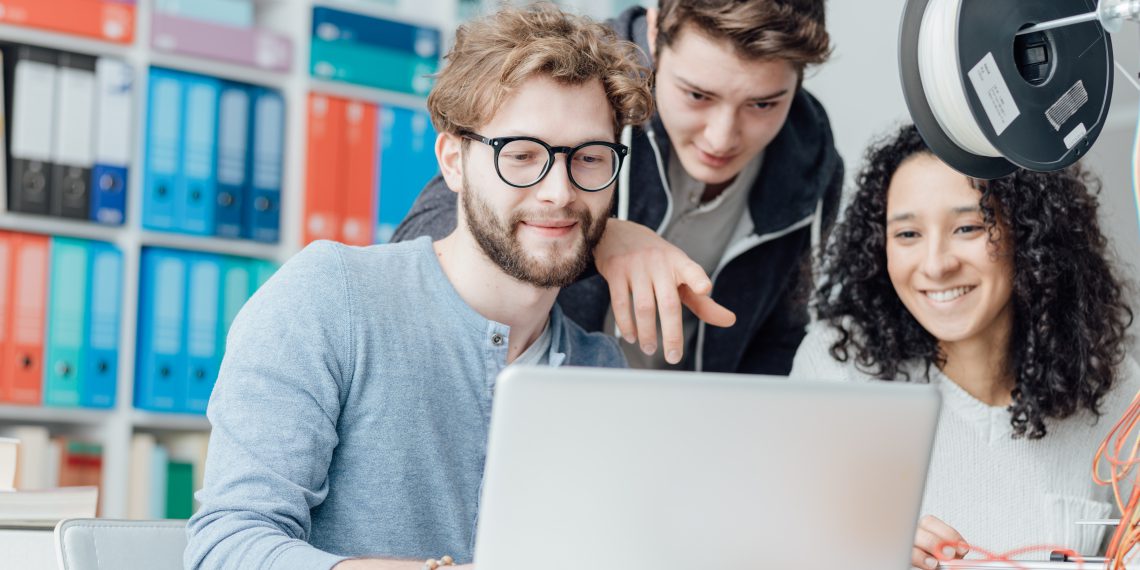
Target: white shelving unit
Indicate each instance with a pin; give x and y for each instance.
(293, 18)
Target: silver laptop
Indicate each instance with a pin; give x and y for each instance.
(599, 469)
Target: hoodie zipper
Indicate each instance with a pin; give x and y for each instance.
(664, 180)
(736, 250)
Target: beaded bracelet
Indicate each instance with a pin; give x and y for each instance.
(433, 564)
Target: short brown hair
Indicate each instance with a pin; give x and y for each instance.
(494, 54)
(791, 30)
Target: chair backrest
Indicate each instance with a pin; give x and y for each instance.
(105, 544)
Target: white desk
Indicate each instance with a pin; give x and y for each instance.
(26, 547)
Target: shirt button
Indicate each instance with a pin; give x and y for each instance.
(497, 339)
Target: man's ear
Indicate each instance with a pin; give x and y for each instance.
(449, 154)
(651, 30)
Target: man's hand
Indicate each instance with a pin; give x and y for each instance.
(932, 536)
(649, 274)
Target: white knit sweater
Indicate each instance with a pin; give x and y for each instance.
(1001, 493)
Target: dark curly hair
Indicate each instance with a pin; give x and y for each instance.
(1070, 314)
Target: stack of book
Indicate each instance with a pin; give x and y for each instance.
(23, 502)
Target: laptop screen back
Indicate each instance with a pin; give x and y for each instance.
(596, 468)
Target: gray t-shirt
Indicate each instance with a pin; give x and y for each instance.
(350, 416)
(703, 230)
(538, 353)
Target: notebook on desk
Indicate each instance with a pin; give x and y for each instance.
(596, 468)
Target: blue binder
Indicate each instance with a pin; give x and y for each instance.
(336, 25)
(113, 149)
(163, 168)
(263, 209)
(109, 193)
(104, 303)
(233, 158)
(203, 345)
(66, 322)
(407, 163)
(199, 191)
(161, 369)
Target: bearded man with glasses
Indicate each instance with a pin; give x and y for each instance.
(351, 412)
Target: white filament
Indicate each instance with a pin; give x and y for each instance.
(942, 79)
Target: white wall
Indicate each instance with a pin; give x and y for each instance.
(860, 85)
(861, 90)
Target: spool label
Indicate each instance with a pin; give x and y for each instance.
(994, 93)
(1075, 136)
(1067, 105)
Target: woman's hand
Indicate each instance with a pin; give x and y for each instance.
(649, 274)
(935, 540)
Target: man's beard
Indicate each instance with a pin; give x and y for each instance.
(501, 245)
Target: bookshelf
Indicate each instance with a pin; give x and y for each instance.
(289, 19)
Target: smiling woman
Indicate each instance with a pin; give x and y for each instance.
(951, 274)
(1002, 294)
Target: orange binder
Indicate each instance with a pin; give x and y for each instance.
(27, 300)
(5, 309)
(358, 163)
(324, 180)
(102, 19)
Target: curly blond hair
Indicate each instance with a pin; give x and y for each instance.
(496, 53)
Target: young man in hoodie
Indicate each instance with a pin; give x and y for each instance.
(736, 177)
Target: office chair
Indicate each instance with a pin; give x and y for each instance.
(110, 544)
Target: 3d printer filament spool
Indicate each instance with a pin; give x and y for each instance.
(988, 101)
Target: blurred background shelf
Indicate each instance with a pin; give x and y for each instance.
(59, 40)
(168, 422)
(49, 225)
(239, 247)
(57, 416)
(365, 93)
(220, 69)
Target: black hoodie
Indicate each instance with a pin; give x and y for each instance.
(760, 278)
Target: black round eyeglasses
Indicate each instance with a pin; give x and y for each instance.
(524, 161)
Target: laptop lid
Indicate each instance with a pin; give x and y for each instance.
(601, 468)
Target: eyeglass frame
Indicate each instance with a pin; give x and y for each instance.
(498, 143)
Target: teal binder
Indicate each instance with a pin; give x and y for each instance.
(237, 285)
(179, 490)
(261, 270)
(375, 67)
(159, 464)
(66, 322)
